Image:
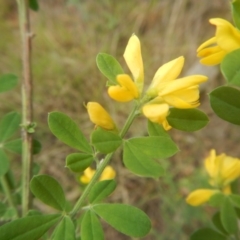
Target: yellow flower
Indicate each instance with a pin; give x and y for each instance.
(226, 40)
(157, 113)
(167, 72)
(99, 116)
(87, 175)
(108, 173)
(128, 89)
(222, 171)
(167, 91)
(125, 91)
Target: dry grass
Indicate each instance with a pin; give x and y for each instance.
(69, 35)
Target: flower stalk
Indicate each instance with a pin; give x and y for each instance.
(103, 164)
(27, 108)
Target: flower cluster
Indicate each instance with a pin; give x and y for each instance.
(222, 171)
(165, 91)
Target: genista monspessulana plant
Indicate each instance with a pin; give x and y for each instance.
(169, 102)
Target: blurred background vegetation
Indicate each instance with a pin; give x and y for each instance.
(68, 36)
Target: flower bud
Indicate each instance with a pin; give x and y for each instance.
(99, 116)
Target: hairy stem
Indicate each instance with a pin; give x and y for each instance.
(103, 164)
(27, 109)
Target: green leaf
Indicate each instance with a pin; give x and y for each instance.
(225, 102)
(216, 219)
(105, 141)
(78, 162)
(235, 199)
(32, 227)
(207, 234)
(235, 6)
(91, 228)
(10, 179)
(31, 127)
(36, 168)
(49, 191)
(37, 146)
(189, 120)
(33, 4)
(229, 217)
(16, 146)
(64, 230)
(4, 163)
(109, 67)
(66, 130)
(3, 208)
(7, 82)
(139, 163)
(155, 129)
(33, 212)
(217, 199)
(230, 67)
(101, 190)
(10, 214)
(124, 218)
(9, 125)
(155, 146)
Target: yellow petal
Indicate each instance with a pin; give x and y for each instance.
(156, 112)
(166, 125)
(89, 172)
(167, 72)
(127, 90)
(200, 196)
(208, 43)
(84, 179)
(99, 116)
(211, 54)
(108, 173)
(133, 58)
(228, 37)
(87, 175)
(214, 58)
(209, 51)
(182, 83)
(210, 164)
(230, 169)
(186, 98)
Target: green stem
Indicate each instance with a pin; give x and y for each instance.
(103, 164)
(8, 194)
(95, 178)
(129, 120)
(27, 108)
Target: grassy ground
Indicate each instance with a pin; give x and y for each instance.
(69, 35)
